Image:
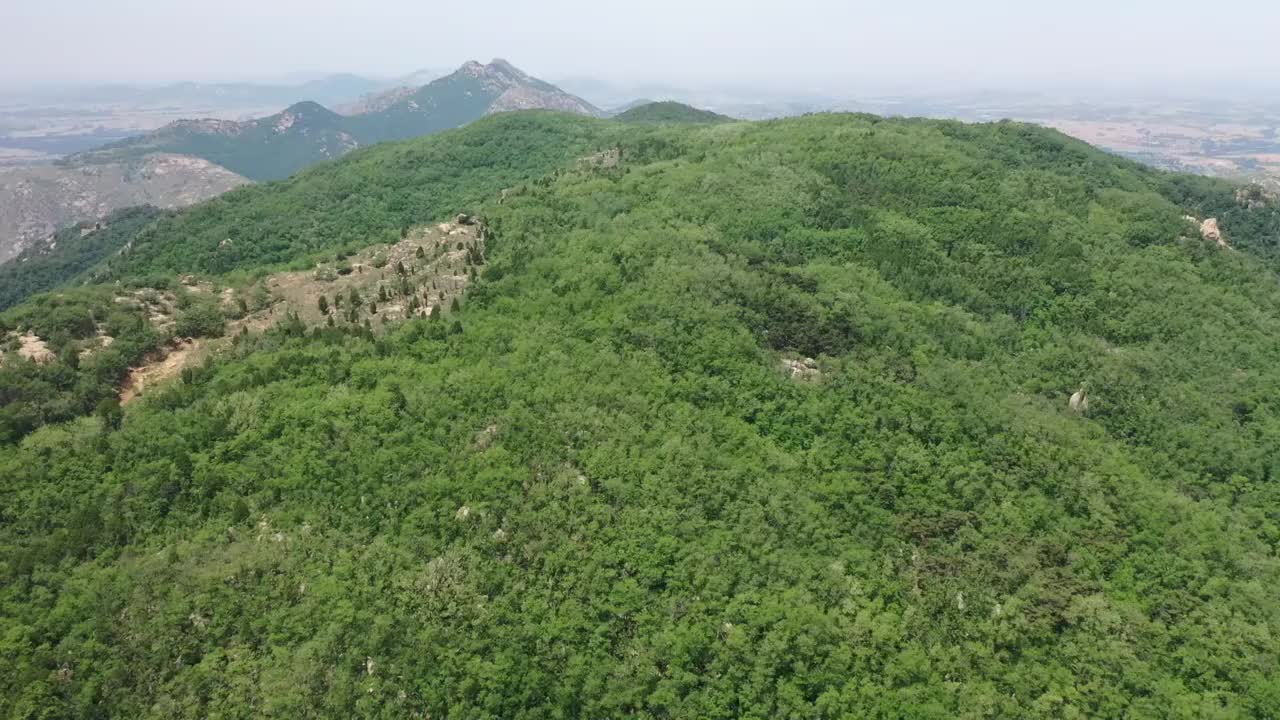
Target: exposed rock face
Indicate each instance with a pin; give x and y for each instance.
(530, 98)
(36, 201)
(1209, 230)
(377, 102)
(520, 91)
(33, 348)
(802, 369)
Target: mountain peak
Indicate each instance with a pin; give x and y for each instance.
(498, 72)
(307, 106)
(503, 66)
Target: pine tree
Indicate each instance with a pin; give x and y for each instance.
(455, 306)
(323, 302)
(421, 253)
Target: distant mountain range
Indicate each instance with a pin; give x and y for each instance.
(279, 145)
(191, 160)
(331, 89)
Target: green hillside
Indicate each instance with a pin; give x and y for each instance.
(669, 112)
(762, 420)
(74, 251)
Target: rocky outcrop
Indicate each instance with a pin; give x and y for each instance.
(1079, 402)
(1255, 197)
(36, 201)
(1209, 230)
(804, 369)
(376, 102)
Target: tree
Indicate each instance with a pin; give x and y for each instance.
(323, 302)
(109, 412)
(239, 511)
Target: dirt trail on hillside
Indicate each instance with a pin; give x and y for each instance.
(164, 367)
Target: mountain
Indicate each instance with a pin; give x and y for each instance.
(268, 148)
(833, 416)
(385, 97)
(277, 146)
(36, 201)
(377, 101)
(616, 111)
(473, 91)
(669, 112)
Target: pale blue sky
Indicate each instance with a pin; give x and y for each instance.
(978, 42)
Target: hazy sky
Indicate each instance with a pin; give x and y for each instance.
(818, 42)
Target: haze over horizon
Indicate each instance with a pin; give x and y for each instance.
(827, 46)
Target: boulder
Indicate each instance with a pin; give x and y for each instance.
(1209, 230)
(802, 368)
(1079, 402)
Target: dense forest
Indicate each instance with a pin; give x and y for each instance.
(739, 420)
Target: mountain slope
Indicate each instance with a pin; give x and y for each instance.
(762, 420)
(36, 201)
(275, 147)
(669, 112)
(71, 252)
(264, 149)
(369, 197)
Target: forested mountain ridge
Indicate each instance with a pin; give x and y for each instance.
(669, 112)
(279, 145)
(738, 420)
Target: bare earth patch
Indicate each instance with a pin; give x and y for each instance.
(33, 348)
(426, 270)
(163, 367)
